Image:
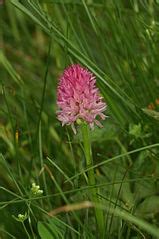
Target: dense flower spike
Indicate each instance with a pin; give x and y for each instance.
(78, 98)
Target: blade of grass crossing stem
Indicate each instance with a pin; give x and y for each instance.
(115, 158)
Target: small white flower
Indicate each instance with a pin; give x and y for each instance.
(35, 189)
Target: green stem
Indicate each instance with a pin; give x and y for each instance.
(91, 178)
(26, 230)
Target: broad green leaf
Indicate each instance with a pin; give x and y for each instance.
(54, 229)
(43, 231)
(149, 207)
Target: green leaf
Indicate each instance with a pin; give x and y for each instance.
(148, 207)
(54, 229)
(43, 231)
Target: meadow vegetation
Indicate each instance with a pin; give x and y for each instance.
(44, 190)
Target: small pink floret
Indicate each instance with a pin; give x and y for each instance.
(79, 98)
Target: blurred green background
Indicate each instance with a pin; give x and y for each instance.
(118, 41)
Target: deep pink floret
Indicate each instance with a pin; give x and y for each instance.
(79, 98)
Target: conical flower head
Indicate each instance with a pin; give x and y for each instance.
(78, 98)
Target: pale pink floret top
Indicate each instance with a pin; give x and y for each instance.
(79, 98)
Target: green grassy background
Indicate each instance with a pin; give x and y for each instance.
(118, 41)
